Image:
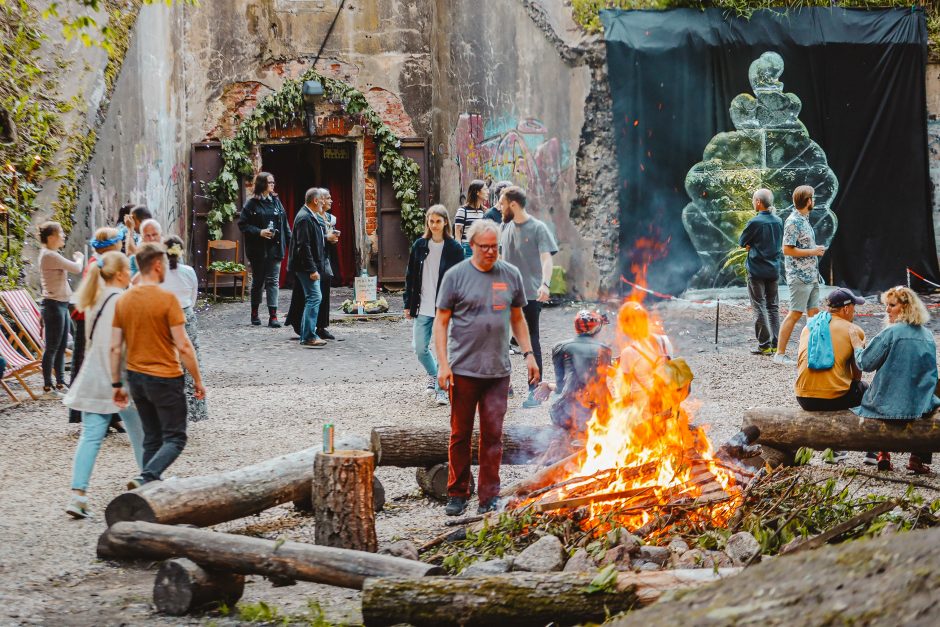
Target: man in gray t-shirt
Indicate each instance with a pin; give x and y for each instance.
(478, 301)
(526, 243)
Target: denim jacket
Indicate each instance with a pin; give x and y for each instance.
(904, 358)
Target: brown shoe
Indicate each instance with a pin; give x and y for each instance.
(314, 343)
(916, 466)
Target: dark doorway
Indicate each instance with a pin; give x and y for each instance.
(297, 168)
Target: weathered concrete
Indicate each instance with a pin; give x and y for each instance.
(933, 141)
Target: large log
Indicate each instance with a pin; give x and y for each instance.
(342, 500)
(183, 587)
(212, 499)
(789, 429)
(411, 447)
(245, 555)
(433, 481)
(518, 599)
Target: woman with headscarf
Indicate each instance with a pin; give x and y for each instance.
(182, 281)
(904, 359)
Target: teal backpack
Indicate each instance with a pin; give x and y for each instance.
(819, 353)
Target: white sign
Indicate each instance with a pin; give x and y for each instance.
(366, 288)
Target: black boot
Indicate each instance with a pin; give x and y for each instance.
(255, 320)
(272, 318)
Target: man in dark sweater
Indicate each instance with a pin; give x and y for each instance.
(307, 261)
(763, 238)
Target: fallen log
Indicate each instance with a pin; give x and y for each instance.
(433, 481)
(343, 500)
(220, 497)
(519, 599)
(410, 448)
(546, 476)
(789, 429)
(245, 555)
(183, 587)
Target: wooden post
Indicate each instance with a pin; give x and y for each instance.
(343, 506)
(183, 587)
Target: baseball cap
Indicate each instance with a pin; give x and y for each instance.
(841, 296)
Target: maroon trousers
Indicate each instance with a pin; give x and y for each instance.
(490, 395)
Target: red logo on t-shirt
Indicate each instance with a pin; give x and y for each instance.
(499, 300)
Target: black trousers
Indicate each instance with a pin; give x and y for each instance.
(852, 398)
(531, 312)
(323, 318)
(78, 356)
(161, 403)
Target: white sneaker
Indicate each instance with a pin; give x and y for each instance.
(78, 507)
(783, 360)
(52, 395)
(431, 386)
(441, 398)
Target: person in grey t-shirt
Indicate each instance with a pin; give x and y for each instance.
(479, 299)
(526, 243)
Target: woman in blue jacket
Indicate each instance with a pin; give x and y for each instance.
(431, 256)
(904, 359)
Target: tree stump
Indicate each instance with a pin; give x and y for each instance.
(433, 481)
(343, 506)
(183, 587)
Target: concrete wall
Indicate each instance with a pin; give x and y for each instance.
(933, 140)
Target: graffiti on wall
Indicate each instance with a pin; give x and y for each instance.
(933, 148)
(517, 150)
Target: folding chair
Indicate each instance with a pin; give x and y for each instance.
(25, 313)
(18, 366)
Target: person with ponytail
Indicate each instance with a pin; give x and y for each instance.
(182, 281)
(106, 239)
(106, 280)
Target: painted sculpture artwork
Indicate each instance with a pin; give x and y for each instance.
(770, 148)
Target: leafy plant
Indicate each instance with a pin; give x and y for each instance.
(803, 456)
(286, 105)
(226, 266)
(604, 581)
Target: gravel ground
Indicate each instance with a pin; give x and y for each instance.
(267, 397)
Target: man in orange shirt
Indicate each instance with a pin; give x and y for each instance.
(149, 320)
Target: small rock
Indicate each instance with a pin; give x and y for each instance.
(678, 546)
(580, 562)
(618, 555)
(622, 537)
(656, 554)
(742, 547)
(647, 566)
(718, 559)
(490, 567)
(545, 556)
(693, 558)
(402, 548)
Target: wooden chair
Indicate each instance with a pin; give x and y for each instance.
(19, 365)
(22, 308)
(240, 275)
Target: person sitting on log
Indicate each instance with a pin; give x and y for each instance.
(904, 359)
(836, 385)
(581, 365)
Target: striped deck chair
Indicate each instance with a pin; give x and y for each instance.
(25, 313)
(19, 366)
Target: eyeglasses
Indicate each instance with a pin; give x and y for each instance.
(487, 248)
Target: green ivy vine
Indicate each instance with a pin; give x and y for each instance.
(285, 106)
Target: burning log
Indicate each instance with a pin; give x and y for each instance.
(789, 429)
(183, 587)
(411, 448)
(212, 499)
(245, 555)
(343, 500)
(520, 599)
(591, 498)
(546, 476)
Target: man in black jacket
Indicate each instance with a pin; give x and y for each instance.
(307, 260)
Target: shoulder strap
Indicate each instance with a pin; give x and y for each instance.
(98, 315)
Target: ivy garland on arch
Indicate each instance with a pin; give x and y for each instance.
(286, 105)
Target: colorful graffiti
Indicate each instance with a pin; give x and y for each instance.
(519, 151)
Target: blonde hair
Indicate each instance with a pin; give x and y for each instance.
(437, 210)
(109, 265)
(104, 234)
(913, 310)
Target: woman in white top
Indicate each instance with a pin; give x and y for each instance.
(91, 393)
(182, 281)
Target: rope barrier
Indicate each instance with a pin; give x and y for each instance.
(925, 280)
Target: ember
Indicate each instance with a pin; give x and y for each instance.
(642, 460)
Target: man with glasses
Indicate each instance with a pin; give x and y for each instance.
(478, 301)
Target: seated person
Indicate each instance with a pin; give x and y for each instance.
(904, 359)
(644, 354)
(841, 386)
(580, 375)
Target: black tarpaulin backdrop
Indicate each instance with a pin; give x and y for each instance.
(861, 78)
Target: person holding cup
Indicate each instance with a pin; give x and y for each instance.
(327, 222)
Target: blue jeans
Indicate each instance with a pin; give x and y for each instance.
(420, 343)
(312, 300)
(94, 429)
